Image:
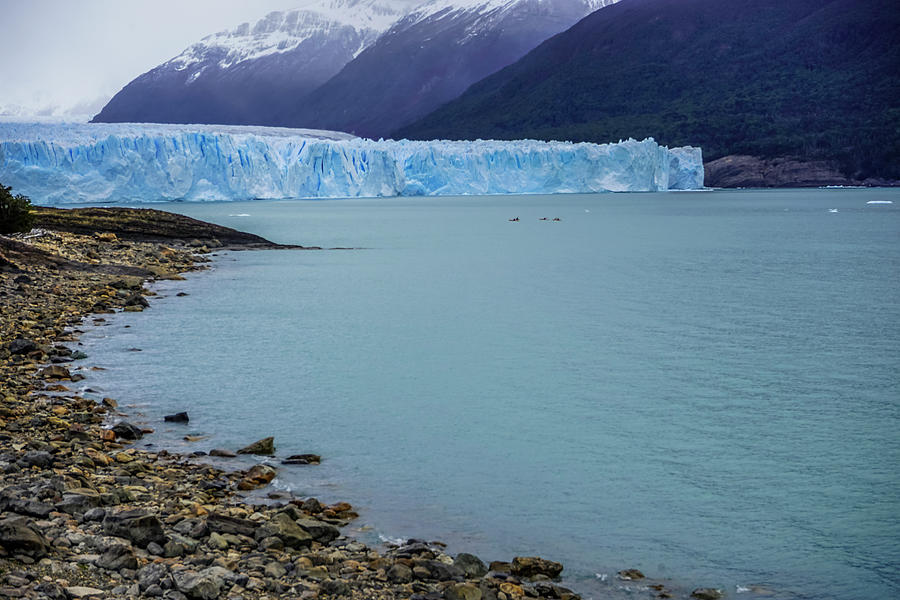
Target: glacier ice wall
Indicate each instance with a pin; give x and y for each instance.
(106, 163)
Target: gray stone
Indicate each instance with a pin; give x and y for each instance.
(17, 537)
(136, 525)
(275, 570)
(118, 557)
(222, 453)
(283, 527)
(80, 591)
(265, 446)
(199, 586)
(22, 346)
(94, 514)
(471, 565)
(399, 573)
(152, 574)
(320, 531)
(707, 594)
(181, 417)
(335, 587)
(127, 431)
(78, 501)
(41, 460)
(530, 566)
(234, 525)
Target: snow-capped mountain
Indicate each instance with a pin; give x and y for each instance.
(429, 57)
(254, 72)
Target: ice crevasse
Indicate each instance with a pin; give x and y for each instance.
(107, 163)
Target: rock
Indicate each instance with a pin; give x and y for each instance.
(152, 574)
(51, 591)
(707, 594)
(118, 557)
(284, 528)
(265, 446)
(335, 587)
(54, 372)
(471, 565)
(630, 574)
(181, 417)
(127, 431)
(136, 525)
(18, 537)
(399, 573)
(275, 570)
(78, 501)
(107, 236)
(22, 346)
(109, 403)
(94, 514)
(137, 300)
(217, 542)
(199, 586)
(80, 591)
(320, 531)
(257, 476)
(42, 460)
(462, 591)
(232, 525)
(302, 459)
(22, 506)
(222, 453)
(529, 566)
(442, 571)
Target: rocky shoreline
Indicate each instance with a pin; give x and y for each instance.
(86, 515)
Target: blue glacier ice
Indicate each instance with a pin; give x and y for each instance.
(107, 163)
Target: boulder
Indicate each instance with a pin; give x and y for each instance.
(198, 586)
(81, 591)
(530, 566)
(707, 594)
(462, 591)
(257, 476)
(118, 557)
(302, 459)
(232, 525)
(127, 431)
(400, 573)
(78, 501)
(470, 564)
(181, 417)
(320, 531)
(222, 453)
(22, 346)
(18, 537)
(136, 525)
(284, 528)
(630, 574)
(55, 372)
(265, 446)
(38, 459)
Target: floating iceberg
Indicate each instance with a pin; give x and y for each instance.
(106, 163)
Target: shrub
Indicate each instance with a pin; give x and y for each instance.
(15, 211)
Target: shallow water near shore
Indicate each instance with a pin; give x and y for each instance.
(703, 386)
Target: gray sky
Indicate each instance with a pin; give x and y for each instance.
(71, 56)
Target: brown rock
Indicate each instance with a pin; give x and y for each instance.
(265, 446)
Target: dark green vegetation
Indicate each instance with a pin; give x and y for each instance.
(15, 211)
(812, 79)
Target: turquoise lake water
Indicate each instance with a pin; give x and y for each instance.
(704, 386)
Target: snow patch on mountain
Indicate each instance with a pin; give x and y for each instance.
(283, 31)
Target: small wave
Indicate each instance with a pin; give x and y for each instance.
(880, 202)
(391, 540)
(601, 576)
(742, 590)
(239, 215)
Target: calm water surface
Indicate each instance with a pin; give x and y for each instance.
(705, 386)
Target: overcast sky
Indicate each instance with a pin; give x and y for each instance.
(71, 56)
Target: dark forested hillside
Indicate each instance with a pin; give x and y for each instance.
(814, 79)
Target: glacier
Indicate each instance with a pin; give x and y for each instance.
(55, 163)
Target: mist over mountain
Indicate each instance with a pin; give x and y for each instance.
(815, 79)
(361, 66)
(253, 73)
(429, 57)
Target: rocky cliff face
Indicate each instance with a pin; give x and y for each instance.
(741, 171)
